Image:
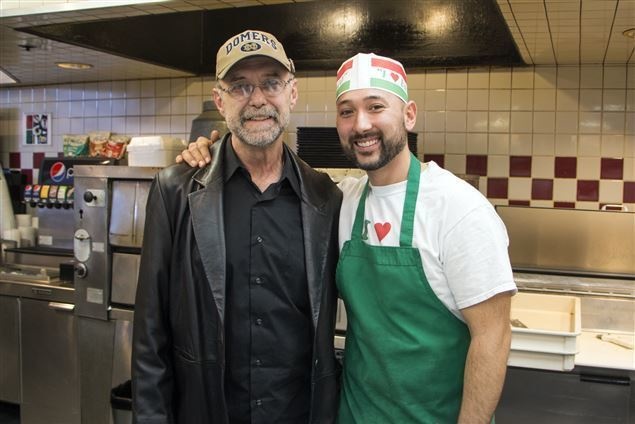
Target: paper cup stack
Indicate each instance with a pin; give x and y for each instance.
(27, 232)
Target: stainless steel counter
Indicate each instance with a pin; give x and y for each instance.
(623, 287)
(55, 291)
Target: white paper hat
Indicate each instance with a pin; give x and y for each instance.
(367, 70)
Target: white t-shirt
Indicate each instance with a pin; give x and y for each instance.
(461, 239)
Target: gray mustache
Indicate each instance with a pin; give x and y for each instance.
(251, 114)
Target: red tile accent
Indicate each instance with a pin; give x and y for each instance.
(14, 160)
(629, 192)
(612, 169)
(519, 202)
(567, 205)
(566, 167)
(541, 189)
(37, 159)
(588, 190)
(29, 175)
(497, 188)
(476, 165)
(520, 166)
(439, 159)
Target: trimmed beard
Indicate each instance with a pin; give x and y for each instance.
(260, 138)
(389, 149)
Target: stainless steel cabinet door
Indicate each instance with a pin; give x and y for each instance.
(50, 371)
(9, 349)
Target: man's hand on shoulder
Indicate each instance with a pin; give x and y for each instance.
(197, 153)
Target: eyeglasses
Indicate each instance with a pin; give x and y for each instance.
(271, 87)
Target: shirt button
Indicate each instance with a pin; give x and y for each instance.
(258, 280)
(258, 362)
(258, 402)
(259, 239)
(259, 321)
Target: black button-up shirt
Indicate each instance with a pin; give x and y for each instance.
(267, 319)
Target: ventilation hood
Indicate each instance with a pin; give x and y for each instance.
(317, 35)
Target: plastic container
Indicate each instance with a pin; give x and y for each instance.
(550, 340)
(154, 151)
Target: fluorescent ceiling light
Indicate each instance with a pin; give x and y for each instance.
(6, 78)
(73, 65)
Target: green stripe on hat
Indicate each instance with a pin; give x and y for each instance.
(345, 86)
(389, 86)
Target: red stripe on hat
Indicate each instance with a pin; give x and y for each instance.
(388, 64)
(345, 67)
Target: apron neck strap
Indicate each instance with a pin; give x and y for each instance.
(407, 219)
(358, 225)
(412, 190)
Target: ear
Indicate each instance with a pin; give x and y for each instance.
(410, 115)
(294, 93)
(218, 99)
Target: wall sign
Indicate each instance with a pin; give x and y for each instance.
(37, 128)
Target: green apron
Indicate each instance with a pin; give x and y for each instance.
(405, 351)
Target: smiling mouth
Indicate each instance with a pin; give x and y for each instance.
(366, 142)
(260, 118)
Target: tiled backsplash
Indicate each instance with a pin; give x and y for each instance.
(544, 136)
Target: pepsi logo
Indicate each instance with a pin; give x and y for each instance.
(58, 171)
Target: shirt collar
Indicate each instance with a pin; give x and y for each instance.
(233, 164)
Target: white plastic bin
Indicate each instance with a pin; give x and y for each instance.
(155, 151)
(550, 340)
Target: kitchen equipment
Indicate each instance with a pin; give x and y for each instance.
(209, 119)
(584, 242)
(50, 370)
(38, 351)
(109, 224)
(589, 255)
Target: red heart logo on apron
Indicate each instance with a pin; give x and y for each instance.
(382, 230)
(394, 76)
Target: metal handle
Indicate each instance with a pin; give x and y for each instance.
(42, 292)
(606, 379)
(606, 207)
(65, 307)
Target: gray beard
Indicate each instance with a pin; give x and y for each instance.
(259, 138)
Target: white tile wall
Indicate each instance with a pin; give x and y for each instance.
(586, 111)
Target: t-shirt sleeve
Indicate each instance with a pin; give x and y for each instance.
(475, 257)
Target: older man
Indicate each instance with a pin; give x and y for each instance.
(423, 269)
(236, 297)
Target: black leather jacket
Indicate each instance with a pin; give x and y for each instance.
(178, 358)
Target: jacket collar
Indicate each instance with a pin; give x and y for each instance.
(310, 192)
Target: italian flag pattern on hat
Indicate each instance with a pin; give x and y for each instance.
(367, 70)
